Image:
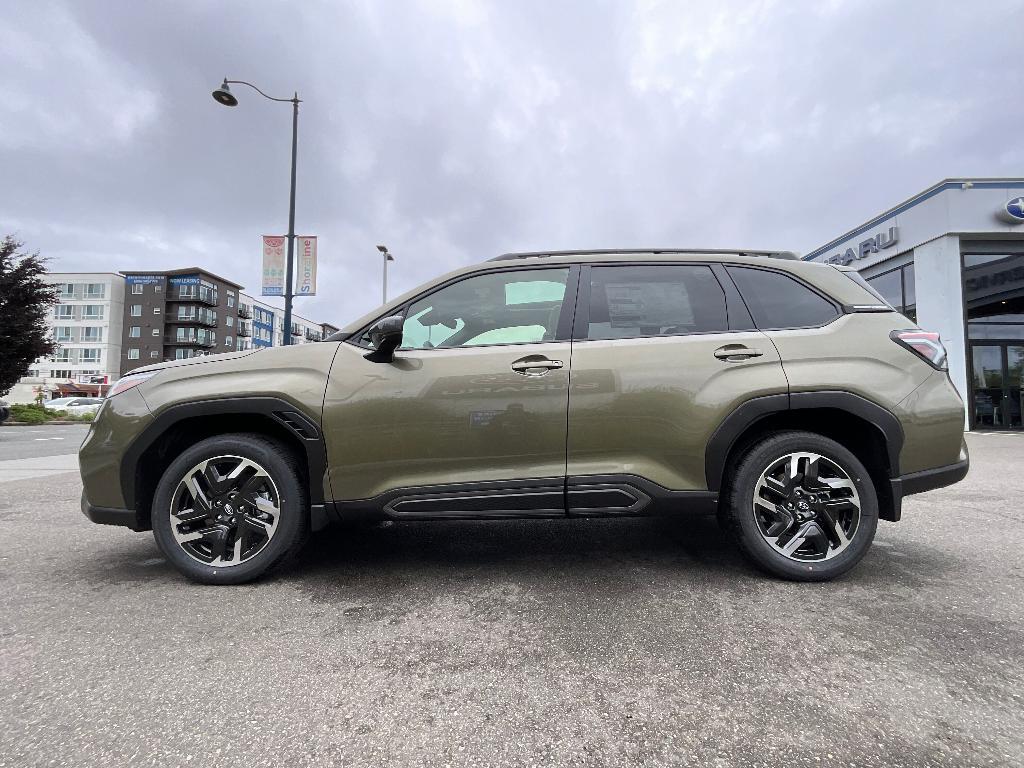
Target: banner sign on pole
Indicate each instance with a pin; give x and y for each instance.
(273, 265)
(307, 266)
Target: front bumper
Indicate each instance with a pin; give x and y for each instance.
(128, 518)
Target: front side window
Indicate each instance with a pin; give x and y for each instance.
(633, 302)
(495, 308)
(778, 301)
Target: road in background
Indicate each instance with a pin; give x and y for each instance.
(565, 642)
(30, 442)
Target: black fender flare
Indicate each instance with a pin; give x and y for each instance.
(750, 412)
(282, 412)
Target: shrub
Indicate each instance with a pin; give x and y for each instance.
(30, 414)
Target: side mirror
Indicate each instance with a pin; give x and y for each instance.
(386, 337)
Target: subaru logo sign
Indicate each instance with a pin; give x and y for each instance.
(1013, 211)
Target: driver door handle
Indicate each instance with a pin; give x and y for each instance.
(537, 366)
(736, 352)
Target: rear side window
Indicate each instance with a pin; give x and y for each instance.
(778, 301)
(632, 302)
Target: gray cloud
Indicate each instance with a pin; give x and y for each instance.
(455, 131)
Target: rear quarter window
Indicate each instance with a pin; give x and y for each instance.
(776, 300)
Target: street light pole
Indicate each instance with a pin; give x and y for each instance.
(387, 257)
(223, 95)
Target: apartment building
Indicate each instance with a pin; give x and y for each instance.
(177, 314)
(86, 324)
(108, 324)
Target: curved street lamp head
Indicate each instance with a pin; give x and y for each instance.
(223, 95)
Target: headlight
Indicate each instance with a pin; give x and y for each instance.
(128, 382)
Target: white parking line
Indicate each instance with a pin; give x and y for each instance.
(44, 439)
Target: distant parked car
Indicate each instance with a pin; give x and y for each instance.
(5, 411)
(74, 405)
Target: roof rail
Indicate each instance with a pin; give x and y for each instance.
(650, 251)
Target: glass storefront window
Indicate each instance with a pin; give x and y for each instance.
(890, 286)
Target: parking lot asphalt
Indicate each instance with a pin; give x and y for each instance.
(643, 642)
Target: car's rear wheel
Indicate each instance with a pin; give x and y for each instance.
(801, 506)
(230, 508)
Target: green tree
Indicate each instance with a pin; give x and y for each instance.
(25, 302)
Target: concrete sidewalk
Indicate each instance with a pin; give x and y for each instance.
(40, 466)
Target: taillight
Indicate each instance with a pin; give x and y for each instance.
(924, 344)
(127, 382)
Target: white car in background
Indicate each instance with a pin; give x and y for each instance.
(74, 405)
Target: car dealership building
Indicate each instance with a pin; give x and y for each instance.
(952, 259)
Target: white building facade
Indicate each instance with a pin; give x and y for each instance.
(86, 324)
(952, 259)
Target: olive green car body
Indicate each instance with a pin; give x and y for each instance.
(622, 424)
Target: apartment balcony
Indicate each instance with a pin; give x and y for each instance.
(189, 293)
(312, 335)
(201, 316)
(245, 311)
(244, 329)
(296, 331)
(204, 340)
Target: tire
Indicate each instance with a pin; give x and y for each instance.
(778, 491)
(239, 509)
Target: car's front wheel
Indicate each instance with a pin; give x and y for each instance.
(801, 506)
(230, 508)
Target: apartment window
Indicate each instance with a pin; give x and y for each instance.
(93, 312)
(60, 373)
(230, 321)
(133, 354)
(156, 331)
(136, 310)
(187, 291)
(95, 290)
(231, 301)
(62, 356)
(62, 333)
(67, 290)
(156, 310)
(134, 332)
(89, 355)
(137, 288)
(64, 312)
(158, 288)
(227, 341)
(92, 334)
(154, 353)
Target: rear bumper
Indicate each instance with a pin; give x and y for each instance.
(926, 480)
(127, 518)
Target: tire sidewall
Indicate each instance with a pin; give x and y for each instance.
(749, 534)
(290, 524)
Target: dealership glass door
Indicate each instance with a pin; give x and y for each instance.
(997, 402)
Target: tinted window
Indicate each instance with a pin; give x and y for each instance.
(493, 308)
(778, 301)
(631, 302)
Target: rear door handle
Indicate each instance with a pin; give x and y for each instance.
(537, 366)
(736, 352)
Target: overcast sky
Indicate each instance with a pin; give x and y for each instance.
(454, 131)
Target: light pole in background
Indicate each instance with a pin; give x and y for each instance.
(387, 257)
(223, 95)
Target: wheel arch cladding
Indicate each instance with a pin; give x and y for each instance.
(868, 430)
(179, 426)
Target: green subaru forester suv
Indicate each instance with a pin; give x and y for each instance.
(785, 396)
